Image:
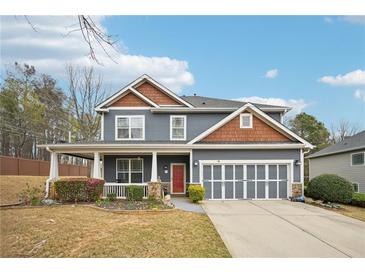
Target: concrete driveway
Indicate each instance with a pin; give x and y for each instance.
(285, 229)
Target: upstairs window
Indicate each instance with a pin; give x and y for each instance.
(178, 127)
(129, 127)
(246, 120)
(357, 159)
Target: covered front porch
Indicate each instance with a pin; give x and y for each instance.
(120, 169)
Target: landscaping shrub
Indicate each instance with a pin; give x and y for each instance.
(79, 189)
(358, 199)
(330, 188)
(31, 195)
(94, 188)
(134, 193)
(112, 196)
(196, 193)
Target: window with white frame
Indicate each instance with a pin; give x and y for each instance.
(357, 159)
(129, 127)
(355, 186)
(177, 127)
(130, 170)
(246, 120)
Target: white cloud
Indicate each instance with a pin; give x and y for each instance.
(358, 20)
(354, 78)
(271, 74)
(49, 49)
(360, 94)
(297, 105)
(328, 20)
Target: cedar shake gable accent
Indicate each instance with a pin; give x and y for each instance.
(156, 95)
(231, 132)
(130, 100)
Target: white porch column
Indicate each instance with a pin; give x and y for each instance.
(53, 171)
(154, 167)
(96, 169)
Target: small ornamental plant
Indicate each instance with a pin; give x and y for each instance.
(196, 193)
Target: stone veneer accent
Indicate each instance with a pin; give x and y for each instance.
(156, 95)
(260, 132)
(154, 190)
(297, 190)
(130, 100)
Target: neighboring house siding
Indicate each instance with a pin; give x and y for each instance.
(162, 160)
(220, 154)
(339, 164)
(158, 124)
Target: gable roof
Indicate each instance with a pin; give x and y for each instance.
(209, 102)
(354, 142)
(261, 114)
(136, 82)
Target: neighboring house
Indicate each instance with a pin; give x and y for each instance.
(236, 150)
(345, 159)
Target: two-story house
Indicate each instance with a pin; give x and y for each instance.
(236, 150)
(345, 159)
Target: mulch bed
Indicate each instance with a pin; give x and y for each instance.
(134, 205)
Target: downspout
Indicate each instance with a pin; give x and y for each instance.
(49, 178)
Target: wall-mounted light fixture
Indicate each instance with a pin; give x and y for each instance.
(196, 163)
(298, 163)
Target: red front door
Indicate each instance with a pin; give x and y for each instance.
(178, 174)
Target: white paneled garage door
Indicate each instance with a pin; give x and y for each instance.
(245, 181)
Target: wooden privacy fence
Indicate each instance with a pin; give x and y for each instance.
(20, 166)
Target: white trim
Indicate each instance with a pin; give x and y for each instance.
(302, 167)
(171, 177)
(211, 109)
(165, 146)
(139, 80)
(191, 166)
(129, 127)
(360, 152)
(259, 113)
(129, 169)
(140, 95)
(177, 116)
(102, 127)
(129, 108)
(249, 115)
(247, 162)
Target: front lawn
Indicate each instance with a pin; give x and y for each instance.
(79, 231)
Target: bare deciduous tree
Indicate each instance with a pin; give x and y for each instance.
(86, 92)
(342, 130)
(92, 34)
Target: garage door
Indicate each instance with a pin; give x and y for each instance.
(245, 181)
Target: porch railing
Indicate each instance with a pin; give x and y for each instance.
(120, 189)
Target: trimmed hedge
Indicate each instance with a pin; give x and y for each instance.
(330, 188)
(79, 189)
(358, 199)
(134, 193)
(196, 193)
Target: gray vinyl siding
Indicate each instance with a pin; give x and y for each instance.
(157, 125)
(339, 164)
(162, 162)
(220, 154)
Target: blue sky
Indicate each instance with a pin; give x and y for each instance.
(228, 57)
